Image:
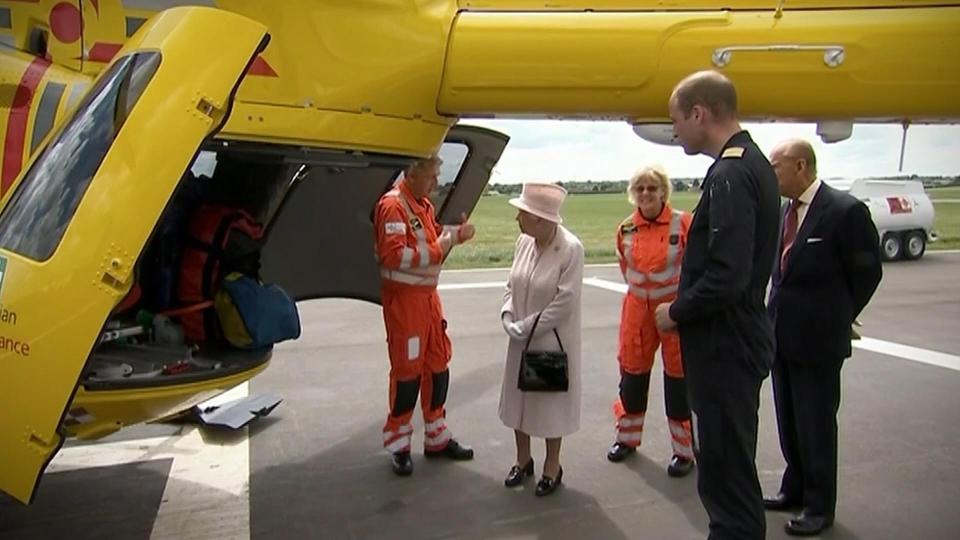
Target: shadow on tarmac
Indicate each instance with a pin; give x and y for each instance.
(346, 491)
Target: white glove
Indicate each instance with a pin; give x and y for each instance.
(506, 319)
(516, 330)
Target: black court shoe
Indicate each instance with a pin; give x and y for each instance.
(517, 474)
(402, 464)
(452, 450)
(619, 452)
(548, 485)
(679, 466)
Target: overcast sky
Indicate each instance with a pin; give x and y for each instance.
(582, 150)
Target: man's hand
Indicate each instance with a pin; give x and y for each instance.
(467, 230)
(662, 315)
(446, 240)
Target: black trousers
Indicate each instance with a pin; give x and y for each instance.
(807, 397)
(724, 397)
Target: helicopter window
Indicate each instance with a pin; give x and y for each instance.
(41, 207)
(453, 156)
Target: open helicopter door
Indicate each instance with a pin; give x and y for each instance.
(320, 244)
(75, 223)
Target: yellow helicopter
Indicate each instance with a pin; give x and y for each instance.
(110, 112)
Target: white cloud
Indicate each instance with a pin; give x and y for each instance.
(594, 150)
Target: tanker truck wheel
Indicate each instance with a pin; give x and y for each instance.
(892, 246)
(916, 244)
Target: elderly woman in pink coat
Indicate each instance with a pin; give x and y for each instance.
(545, 280)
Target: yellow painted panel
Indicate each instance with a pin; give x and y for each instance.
(683, 5)
(62, 303)
(379, 56)
(334, 129)
(895, 63)
(109, 410)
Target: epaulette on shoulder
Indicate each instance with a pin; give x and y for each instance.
(627, 225)
(735, 152)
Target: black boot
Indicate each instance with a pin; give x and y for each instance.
(402, 464)
(517, 474)
(619, 452)
(452, 450)
(679, 466)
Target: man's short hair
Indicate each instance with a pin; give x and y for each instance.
(709, 89)
(801, 149)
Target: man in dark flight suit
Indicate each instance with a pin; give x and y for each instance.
(726, 338)
(828, 268)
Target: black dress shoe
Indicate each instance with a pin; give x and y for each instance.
(679, 466)
(453, 450)
(548, 485)
(781, 503)
(517, 474)
(619, 452)
(402, 464)
(807, 524)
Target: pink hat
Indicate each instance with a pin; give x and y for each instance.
(542, 200)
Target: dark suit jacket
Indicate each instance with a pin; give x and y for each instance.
(832, 271)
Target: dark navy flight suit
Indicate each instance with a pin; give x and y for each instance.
(726, 338)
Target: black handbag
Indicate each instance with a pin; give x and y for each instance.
(543, 371)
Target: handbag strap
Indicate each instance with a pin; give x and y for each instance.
(534, 329)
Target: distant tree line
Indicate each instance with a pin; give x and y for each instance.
(687, 184)
(599, 186)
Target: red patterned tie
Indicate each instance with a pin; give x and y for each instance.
(789, 234)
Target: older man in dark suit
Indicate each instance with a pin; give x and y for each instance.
(827, 270)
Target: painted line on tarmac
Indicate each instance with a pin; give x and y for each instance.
(924, 356)
(889, 348)
(605, 284)
(506, 268)
(596, 282)
(480, 285)
(207, 494)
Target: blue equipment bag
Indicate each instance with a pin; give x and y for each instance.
(253, 315)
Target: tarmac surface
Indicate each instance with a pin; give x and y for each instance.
(315, 467)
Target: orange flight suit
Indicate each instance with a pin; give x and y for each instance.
(410, 256)
(650, 252)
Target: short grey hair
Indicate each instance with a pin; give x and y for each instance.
(801, 149)
(423, 164)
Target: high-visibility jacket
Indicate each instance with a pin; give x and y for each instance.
(407, 234)
(410, 256)
(650, 252)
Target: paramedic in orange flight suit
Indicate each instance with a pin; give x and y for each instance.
(650, 246)
(411, 246)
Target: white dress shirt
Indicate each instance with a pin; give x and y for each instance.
(804, 201)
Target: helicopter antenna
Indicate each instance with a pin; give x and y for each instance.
(903, 142)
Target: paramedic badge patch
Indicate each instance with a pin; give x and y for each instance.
(395, 227)
(415, 223)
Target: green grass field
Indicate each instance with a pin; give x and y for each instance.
(594, 218)
(947, 217)
(952, 192)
